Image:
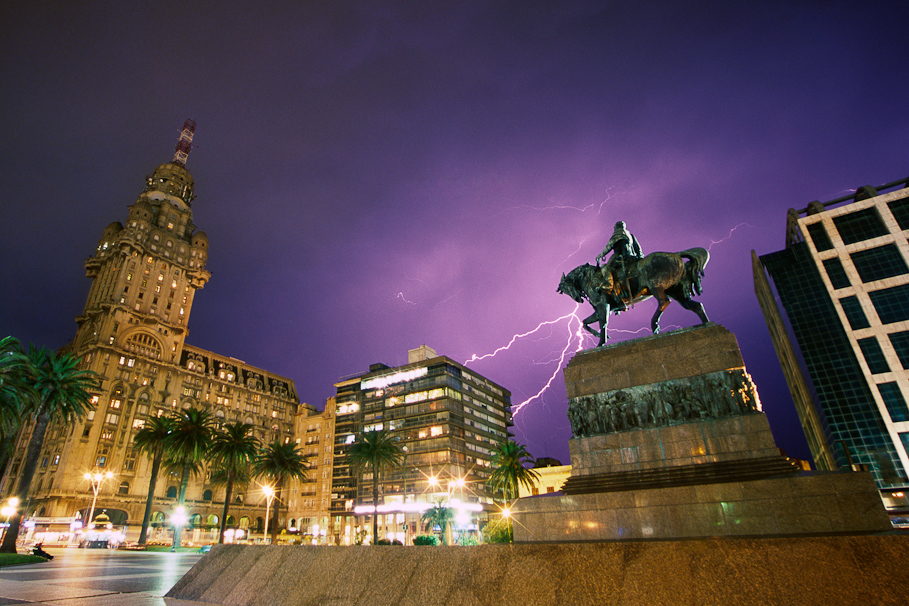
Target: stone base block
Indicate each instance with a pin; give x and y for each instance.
(810, 503)
(812, 571)
(708, 441)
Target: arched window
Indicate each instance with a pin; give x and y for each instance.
(172, 492)
(230, 521)
(157, 518)
(206, 496)
(145, 345)
(212, 520)
(293, 523)
(195, 520)
(124, 488)
(244, 522)
(260, 524)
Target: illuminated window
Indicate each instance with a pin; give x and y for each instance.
(138, 424)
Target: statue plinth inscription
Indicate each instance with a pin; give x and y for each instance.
(670, 443)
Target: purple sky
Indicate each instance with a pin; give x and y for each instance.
(373, 178)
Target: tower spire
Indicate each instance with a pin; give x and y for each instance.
(184, 143)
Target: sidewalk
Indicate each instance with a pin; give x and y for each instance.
(88, 577)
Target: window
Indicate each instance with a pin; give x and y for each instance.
(900, 210)
(819, 236)
(836, 273)
(860, 225)
(124, 488)
(172, 492)
(900, 342)
(854, 312)
(112, 418)
(871, 349)
(893, 399)
(138, 424)
(879, 263)
(891, 304)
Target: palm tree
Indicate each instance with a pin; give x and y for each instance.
(60, 393)
(151, 440)
(280, 463)
(375, 450)
(508, 472)
(439, 515)
(187, 446)
(232, 451)
(15, 388)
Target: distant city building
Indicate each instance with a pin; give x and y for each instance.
(308, 502)
(843, 280)
(551, 475)
(145, 276)
(447, 417)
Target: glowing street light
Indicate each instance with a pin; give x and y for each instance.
(178, 520)
(96, 479)
(269, 493)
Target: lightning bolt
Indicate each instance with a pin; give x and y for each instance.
(729, 235)
(611, 193)
(573, 314)
(401, 296)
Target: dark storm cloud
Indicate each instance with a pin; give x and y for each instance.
(375, 176)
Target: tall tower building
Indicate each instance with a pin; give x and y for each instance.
(843, 280)
(448, 420)
(144, 277)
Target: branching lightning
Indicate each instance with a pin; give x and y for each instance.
(712, 242)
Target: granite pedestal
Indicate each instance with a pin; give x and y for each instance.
(675, 477)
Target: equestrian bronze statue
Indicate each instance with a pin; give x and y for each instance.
(617, 285)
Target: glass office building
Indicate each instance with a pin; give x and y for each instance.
(843, 281)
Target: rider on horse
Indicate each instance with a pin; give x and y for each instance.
(626, 250)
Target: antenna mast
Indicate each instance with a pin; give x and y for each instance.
(184, 143)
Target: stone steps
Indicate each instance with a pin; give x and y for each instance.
(739, 470)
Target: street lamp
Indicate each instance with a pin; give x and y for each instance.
(404, 508)
(8, 510)
(178, 520)
(269, 493)
(96, 479)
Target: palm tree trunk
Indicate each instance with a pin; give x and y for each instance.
(274, 511)
(227, 494)
(29, 464)
(149, 501)
(181, 499)
(375, 505)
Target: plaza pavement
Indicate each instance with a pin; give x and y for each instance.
(97, 577)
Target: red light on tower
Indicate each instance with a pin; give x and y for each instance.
(184, 143)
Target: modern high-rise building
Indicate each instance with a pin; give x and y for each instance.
(448, 419)
(843, 281)
(144, 278)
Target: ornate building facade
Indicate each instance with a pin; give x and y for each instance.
(144, 277)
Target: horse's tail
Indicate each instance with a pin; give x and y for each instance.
(694, 269)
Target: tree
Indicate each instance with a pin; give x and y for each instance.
(232, 451)
(186, 447)
(439, 515)
(15, 388)
(151, 440)
(60, 392)
(508, 472)
(280, 463)
(375, 451)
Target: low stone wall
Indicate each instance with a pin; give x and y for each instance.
(820, 571)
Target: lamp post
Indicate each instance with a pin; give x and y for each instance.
(8, 510)
(269, 493)
(96, 479)
(404, 507)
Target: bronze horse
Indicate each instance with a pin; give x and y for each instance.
(660, 274)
